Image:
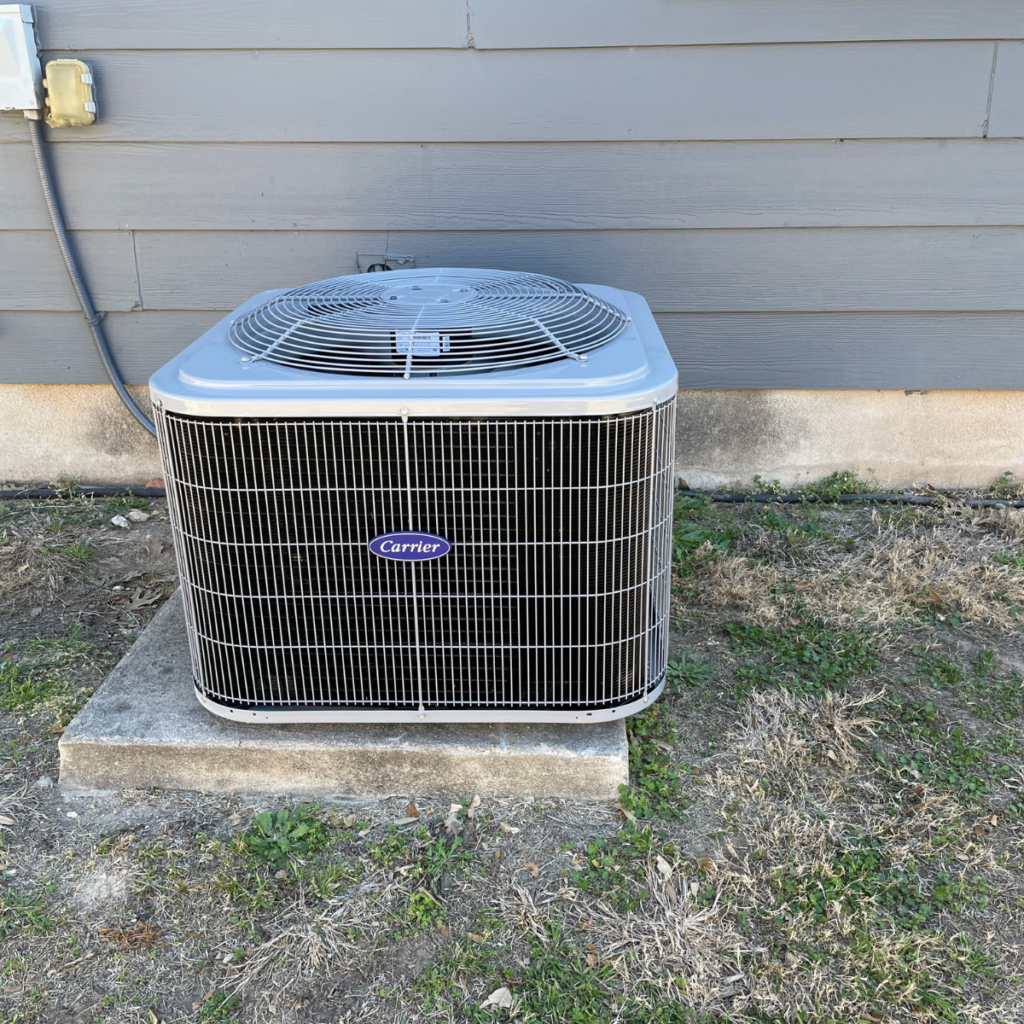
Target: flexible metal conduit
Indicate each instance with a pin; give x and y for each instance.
(92, 318)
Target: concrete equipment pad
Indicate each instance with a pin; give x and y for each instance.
(144, 728)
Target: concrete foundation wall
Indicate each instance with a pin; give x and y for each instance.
(896, 438)
(78, 430)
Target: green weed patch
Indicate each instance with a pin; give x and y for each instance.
(23, 911)
(835, 484)
(440, 860)
(980, 689)
(691, 532)
(801, 522)
(392, 849)
(1005, 486)
(564, 981)
(80, 551)
(655, 789)
(990, 695)
(616, 868)
(422, 910)
(277, 839)
(808, 657)
(1015, 561)
(327, 880)
(949, 758)
(34, 690)
(431, 861)
(220, 1007)
(938, 669)
(860, 881)
(687, 672)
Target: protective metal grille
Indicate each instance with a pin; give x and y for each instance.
(427, 323)
(555, 594)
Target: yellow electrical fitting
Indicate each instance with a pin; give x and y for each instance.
(69, 94)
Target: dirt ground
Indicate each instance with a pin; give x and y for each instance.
(825, 820)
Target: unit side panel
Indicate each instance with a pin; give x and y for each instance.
(552, 598)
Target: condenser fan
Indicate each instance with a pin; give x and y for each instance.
(427, 323)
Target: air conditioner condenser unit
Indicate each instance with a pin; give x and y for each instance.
(424, 495)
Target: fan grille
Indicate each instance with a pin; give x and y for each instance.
(426, 323)
(554, 597)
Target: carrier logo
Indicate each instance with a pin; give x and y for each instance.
(409, 547)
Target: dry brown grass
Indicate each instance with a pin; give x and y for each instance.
(940, 562)
(129, 936)
(815, 743)
(153, 903)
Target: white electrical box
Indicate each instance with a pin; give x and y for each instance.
(21, 78)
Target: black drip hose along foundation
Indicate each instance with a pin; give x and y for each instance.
(84, 492)
(882, 498)
(733, 498)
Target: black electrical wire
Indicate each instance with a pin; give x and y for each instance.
(92, 318)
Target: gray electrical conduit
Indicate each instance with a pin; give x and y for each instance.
(92, 318)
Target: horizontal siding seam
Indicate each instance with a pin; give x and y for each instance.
(65, 140)
(74, 139)
(468, 232)
(54, 53)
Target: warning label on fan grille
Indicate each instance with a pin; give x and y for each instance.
(422, 343)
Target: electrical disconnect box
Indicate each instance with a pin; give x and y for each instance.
(21, 79)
